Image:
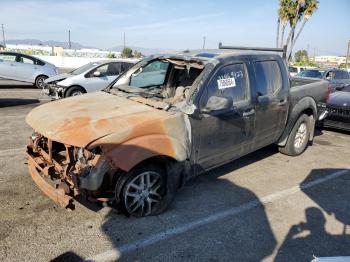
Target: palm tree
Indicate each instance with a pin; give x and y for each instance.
(295, 14)
(283, 15)
(311, 7)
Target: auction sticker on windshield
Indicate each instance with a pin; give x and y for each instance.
(226, 83)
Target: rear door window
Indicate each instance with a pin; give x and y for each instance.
(230, 81)
(8, 57)
(341, 74)
(26, 60)
(113, 69)
(268, 77)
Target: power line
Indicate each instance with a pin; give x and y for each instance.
(69, 43)
(124, 40)
(3, 35)
(347, 55)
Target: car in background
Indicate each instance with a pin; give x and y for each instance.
(337, 78)
(25, 68)
(294, 70)
(91, 77)
(338, 109)
(314, 73)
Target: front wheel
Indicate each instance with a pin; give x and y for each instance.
(144, 192)
(74, 91)
(298, 138)
(40, 81)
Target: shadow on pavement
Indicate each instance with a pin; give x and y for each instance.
(317, 242)
(236, 238)
(310, 238)
(68, 257)
(7, 102)
(332, 197)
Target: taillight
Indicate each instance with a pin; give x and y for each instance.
(328, 92)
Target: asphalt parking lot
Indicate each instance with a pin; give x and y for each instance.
(265, 206)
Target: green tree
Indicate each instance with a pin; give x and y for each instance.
(137, 54)
(127, 52)
(301, 56)
(111, 55)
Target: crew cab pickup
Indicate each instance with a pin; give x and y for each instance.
(166, 119)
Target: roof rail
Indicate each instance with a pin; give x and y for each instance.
(282, 50)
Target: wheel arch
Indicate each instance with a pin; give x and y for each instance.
(307, 106)
(39, 75)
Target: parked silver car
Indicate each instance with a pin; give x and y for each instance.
(91, 77)
(25, 68)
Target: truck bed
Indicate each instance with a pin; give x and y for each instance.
(308, 87)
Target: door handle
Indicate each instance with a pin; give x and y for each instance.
(248, 112)
(282, 102)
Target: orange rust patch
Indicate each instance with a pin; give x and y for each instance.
(72, 131)
(144, 141)
(101, 123)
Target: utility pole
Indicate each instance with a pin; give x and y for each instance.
(69, 43)
(124, 41)
(204, 38)
(347, 56)
(3, 35)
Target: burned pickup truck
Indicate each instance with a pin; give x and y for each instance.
(165, 120)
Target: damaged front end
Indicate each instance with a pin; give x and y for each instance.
(63, 172)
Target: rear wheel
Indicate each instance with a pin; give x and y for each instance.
(144, 191)
(75, 91)
(40, 81)
(298, 138)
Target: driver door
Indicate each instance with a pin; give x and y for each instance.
(107, 73)
(227, 133)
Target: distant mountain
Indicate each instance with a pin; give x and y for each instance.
(49, 43)
(144, 51)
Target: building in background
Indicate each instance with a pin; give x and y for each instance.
(330, 61)
(2, 47)
(44, 50)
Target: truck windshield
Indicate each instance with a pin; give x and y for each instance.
(161, 79)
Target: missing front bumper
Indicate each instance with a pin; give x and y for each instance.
(58, 195)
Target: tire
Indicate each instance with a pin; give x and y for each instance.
(150, 199)
(298, 138)
(75, 91)
(40, 81)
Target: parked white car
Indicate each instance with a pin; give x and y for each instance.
(25, 68)
(91, 77)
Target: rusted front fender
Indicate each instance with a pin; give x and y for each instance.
(57, 195)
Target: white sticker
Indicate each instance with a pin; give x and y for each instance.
(226, 83)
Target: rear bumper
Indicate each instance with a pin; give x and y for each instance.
(58, 195)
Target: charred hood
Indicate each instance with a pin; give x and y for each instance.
(82, 120)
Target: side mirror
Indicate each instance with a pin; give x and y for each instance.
(97, 74)
(216, 103)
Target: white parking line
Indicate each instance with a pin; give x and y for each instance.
(114, 254)
(13, 151)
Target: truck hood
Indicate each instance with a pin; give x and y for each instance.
(82, 120)
(56, 78)
(339, 99)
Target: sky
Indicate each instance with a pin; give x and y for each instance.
(179, 24)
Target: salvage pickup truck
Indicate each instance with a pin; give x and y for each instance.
(167, 119)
